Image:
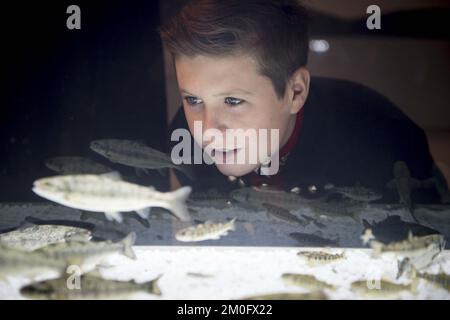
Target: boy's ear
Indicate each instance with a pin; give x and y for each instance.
(298, 89)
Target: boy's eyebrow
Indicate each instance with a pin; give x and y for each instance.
(228, 93)
(185, 92)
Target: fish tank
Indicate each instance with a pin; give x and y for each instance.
(107, 184)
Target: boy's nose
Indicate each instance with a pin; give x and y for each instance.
(211, 123)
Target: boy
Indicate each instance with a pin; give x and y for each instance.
(242, 65)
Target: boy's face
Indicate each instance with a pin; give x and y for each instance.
(229, 93)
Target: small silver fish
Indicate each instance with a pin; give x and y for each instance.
(320, 257)
(206, 231)
(316, 295)
(283, 214)
(210, 198)
(15, 262)
(343, 208)
(393, 228)
(381, 288)
(76, 165)
(412, 246)
(440, 279)
(313, 240)
(136, 154)
(31, 237)
(403, 265)
(358, 193)
(210, 195)
(90, 287)
(199, 275)
(257, 196)
(314, 221)
(87, 255)
(306, 281)
(414, 252)
(111, 195)
(417, 261)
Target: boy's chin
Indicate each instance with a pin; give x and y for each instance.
(236, 170)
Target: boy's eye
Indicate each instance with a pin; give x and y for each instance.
(233, 101)
(192, 101)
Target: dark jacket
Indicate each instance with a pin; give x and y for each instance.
(350, 134)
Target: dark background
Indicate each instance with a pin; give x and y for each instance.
(64, 88)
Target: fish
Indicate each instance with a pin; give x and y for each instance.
(257, 196)
(136, 154)
(381, 288)
(419, 256)
(393, 228)
(314, 257)
(283, 214)
(403, 265)
(406, 265)
(440, 279)
(14, 262)
(404, 184)
(342, 208)
(199, 275)
(312, 240)
(210, 195)
(412, 246)
(85, 215)
(210, 198)
(306, 281)
(314, 221)
(76, 165)
(87, 255)
(108, 193)
(61, 222)
(414, 252)
(90, 287)
(206, 231)
(316, 295)
(357, 193)
(31, 236)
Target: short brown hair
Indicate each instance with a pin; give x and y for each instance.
(274, 33)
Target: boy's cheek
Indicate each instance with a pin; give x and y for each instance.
(191, 117)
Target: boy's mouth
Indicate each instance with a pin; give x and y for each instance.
(225, 156)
